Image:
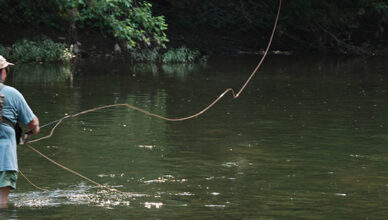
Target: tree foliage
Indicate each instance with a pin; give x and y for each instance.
(131, 22)
(318, 24)
(314, 24)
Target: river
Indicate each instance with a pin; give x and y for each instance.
(306, 139)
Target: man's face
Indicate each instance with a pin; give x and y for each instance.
(3, 74)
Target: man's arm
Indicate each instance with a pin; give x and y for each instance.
(33, 126)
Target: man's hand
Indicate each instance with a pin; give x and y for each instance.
(33, 126)
(27, 136)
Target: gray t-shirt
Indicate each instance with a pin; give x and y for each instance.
(16, 109)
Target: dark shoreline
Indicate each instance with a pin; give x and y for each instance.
(95, 43)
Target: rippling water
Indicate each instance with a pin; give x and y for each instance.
(306, 139)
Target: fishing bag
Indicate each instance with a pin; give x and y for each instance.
(16, 126)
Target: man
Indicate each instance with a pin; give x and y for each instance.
(15, 109)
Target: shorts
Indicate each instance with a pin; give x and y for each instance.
(8, 178)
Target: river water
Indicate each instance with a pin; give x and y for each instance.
(307, 138)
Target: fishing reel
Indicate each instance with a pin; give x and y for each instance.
(21, 139)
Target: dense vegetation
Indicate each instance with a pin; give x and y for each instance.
(129, 22)
(37, 51)
(354, 26)
(349, 26)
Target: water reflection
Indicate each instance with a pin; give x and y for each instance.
(181, 71)
(145, 69)
(42, 73)
(4, 213)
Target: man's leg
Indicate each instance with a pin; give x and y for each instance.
(4, 192)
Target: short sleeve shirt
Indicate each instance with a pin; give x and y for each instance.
(15, 109)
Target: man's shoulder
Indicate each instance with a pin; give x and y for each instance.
(10, 91)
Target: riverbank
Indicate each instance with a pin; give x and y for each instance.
(97, 43)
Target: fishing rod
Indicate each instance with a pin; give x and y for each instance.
(50, 123)
(27, 135)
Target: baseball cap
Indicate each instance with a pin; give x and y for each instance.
(4, 63)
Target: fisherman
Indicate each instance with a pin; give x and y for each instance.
(15, 109)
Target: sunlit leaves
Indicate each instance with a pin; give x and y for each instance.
(133, 24)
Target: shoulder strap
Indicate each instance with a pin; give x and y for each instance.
(8, 122)
(4, 119)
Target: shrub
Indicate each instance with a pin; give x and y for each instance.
(145, 55)
(177, 55)
(40, 51)
(180, 55)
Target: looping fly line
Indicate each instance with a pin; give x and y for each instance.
(235, 95)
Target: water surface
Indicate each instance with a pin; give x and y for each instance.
(306, 139)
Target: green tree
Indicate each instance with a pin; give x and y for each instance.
(130, 22)
(356, 26)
